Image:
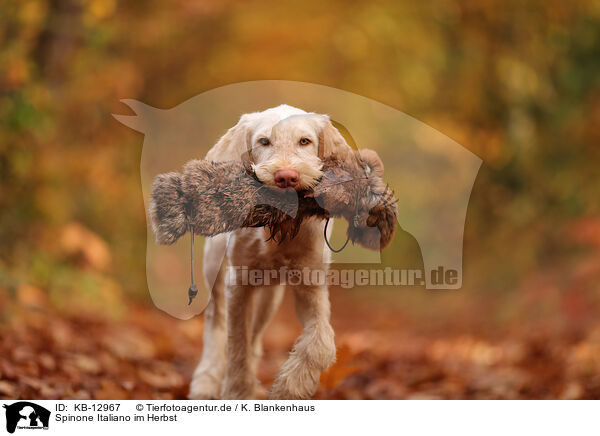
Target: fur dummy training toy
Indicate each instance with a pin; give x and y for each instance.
(216, 197)
(209, 198)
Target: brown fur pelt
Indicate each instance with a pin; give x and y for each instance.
(222, 197)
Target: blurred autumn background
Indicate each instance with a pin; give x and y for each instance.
(517, 83)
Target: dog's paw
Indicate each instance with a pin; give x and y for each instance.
(299, 376)
(204, 386)
(237, 390)
(295, 382)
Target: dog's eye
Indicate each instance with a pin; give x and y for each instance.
(305, 141)
(264, 141)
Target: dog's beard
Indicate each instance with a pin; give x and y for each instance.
(309, 172)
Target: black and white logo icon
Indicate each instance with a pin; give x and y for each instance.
(26, 415)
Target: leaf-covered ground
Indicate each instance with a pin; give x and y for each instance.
(147, 354)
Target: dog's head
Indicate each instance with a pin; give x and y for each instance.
(292, 153)
(284, 145)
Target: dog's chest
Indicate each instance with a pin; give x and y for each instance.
(252, 247)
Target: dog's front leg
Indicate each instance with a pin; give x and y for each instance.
(314, 350)
(239, 382)
(265, 304)
(206, 382)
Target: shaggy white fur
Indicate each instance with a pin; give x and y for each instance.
(279, 138)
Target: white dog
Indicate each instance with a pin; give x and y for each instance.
(285, 146)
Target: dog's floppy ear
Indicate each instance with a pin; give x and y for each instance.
(331, 142)
(233, 145)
